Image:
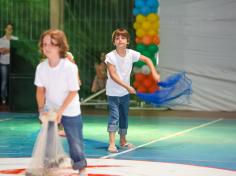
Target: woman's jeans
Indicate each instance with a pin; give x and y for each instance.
(73, 128)
(118, 114)
(4, 80)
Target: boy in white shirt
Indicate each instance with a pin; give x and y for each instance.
(57, 89)
(119, 65)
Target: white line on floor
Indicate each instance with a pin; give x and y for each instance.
(163, 138)
(2, 120)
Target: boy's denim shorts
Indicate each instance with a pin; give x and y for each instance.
(118, 114)
(73, 128)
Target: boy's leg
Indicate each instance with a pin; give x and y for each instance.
(73, 129)
(113, 121)
(123, 121)
(112, 145)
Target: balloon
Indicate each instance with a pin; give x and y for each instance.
(140, 47)
(152, 3)
(137, 25)
(147, 53)
(145, 10)
(150, 77)
(155, 26)
(152, 17)
(153, 88)
(139, 64)
(140, 32)
(139, 3)
(136, 70)
(136, 84)
(140, 18)
(153, 10)
(147, 40)
(152, 48)
(138, 40)
(136, 11)
(139, 77)
(147, 83)
(146, 25)
(152, 32)
(156, 40)
(141, 89)
(154, 60)
(145, 69)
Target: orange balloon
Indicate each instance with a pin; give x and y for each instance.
(147, 40)
(153, 89)
(136, 84)
(156, 40)
(139, 77)
(142, 89)
(147, 83)
(138, 40)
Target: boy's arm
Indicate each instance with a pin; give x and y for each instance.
(112, 71)
(66, 102)
(148, 61)
(40, 97)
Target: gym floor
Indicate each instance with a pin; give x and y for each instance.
(167, 142)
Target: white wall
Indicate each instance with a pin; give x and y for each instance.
(199, 36)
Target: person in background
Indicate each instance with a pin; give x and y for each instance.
(57, 84)
(119, 65)
(100, 78)
(5, 60)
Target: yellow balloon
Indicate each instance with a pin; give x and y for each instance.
(152, 17)
(136, 25)
(152, 32)
(155, 26)
(140, 18)
(140, 32)
(146, 25)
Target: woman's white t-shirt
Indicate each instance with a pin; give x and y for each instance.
(58, 81)
(123, 67)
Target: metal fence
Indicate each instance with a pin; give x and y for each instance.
(88, 25)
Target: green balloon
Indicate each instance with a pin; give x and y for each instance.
(140, 48)
(153, 48)
(147, 53)
(154, 61)
(139, 64)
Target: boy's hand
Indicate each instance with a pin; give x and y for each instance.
(131, 90)
(43, 117)
(157, 77)
(59, 116)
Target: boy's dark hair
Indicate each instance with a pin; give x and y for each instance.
(120, 31)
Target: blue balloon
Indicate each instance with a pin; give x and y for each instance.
(152, 3)
(153, 10)
(139, 3)
(136, 11)
(145, 10)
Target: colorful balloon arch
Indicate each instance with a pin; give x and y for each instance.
(146, 25)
